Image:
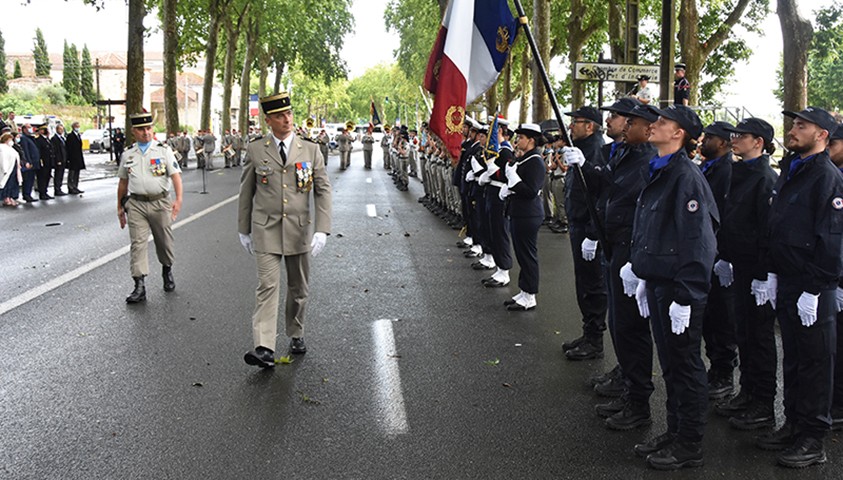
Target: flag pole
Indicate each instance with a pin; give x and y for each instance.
(589, 202)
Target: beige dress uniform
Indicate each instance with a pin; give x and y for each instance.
(149, 208)
(344, 141)
(281, 205)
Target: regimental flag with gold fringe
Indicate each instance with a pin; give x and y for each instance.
(373, 111)
(470, 51)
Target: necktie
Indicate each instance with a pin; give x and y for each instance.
(281, 151)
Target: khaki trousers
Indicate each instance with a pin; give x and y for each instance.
(143, 218)
(265, 318)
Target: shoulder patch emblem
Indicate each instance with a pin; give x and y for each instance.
(837, 203)
(693, 206)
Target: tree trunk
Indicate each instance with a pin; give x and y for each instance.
(541, 19)
(228, 72)
(264, 59)
(492, 100)
(617, 40)
(134, 64)
(210, 56)
(279, 71)
(525, 86)
(246, 76)
(171, 39)
(506, 88)
(796, 35)
(578, 35)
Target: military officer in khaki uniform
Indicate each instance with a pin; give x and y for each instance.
(143, 201)
(344, 141)
(368, 147)
(284, 180)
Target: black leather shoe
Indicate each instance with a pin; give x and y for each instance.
(735, 405)
(260, 357)
(779, 439)
(654, 444)
(59, 193)
(573, 344)
(758, 415)
(480, 266)
(604, 377)
(517, 307)
(139, 293)
(494, 284)
(471, 254)
(462, 244)
(677, 455)
(169, 281)
(297, 346)
(720, 385)
(45, 197)
(79, 191)
(837, 418)
(632, 416)
(805, 452)
(509, 302)
(614, 387)
(588, 350)
(606, 410)
(29, 199)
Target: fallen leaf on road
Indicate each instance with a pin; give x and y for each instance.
(306, 399)
(492, 362)
(284, 360)
(507, 385)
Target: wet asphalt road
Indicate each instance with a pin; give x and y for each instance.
(397, 382)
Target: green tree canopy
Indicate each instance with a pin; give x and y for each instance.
(70, 71)
(18, 72)
(86, 77)
(4, 85)
(41, 56)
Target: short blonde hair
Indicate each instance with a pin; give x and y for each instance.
(5, 137)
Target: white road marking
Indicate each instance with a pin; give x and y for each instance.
(57, 282)
(369, 180)
(371, 210)
(390, 399)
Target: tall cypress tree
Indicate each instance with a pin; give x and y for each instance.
(39, 53)
(86, 77)
(18, 72)
(70, 72)
(4, 85)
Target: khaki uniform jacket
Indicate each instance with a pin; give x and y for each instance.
(368, 143)
(273, 208)
(344, 141)
(148, 173)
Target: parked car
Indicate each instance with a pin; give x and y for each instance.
(98, 140)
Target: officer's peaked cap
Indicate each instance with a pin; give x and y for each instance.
(276, 103)
(684, 116)
(817, 116)
(141, 120)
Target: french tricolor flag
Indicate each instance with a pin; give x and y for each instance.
(470, 51)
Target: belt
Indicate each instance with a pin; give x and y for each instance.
(496, 183)
(149, 198)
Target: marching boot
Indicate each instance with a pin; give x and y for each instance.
(169, 281)
(139, 293)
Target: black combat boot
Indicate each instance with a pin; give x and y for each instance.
(169, 281)
(139, 293)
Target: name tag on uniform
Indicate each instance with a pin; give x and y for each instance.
(263, 172)
(304, 176)
(157, 166)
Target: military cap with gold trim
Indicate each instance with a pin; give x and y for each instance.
(140, 120)
(276, 103)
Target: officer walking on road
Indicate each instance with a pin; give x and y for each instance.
(368, 146)
(274, 223)
(143, 202)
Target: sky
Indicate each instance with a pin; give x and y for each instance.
(369, 44)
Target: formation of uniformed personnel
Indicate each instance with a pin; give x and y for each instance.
(386, 141)
(285, 196)
(400, 158)
(227, 148)
(183, 149)
(344, 142)
(586, 134)
(441, 196)
(805, 225)
(209, 144)
(493, 179)
(413, 153)
(146, 171)
(237, 143)
(368, 147)
(198, 149)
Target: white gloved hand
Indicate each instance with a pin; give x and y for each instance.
(573, 156)
(807, 308)
(840, 303)
(630, 281)
(725, 272)
(246, 241)
(504, 192)
(641, 299)
(589, 249)
(318, 243)
(680, 317)
(760, 290)
(772, 288)
(469, 177)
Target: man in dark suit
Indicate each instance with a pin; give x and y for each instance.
(75, 160)
(60, 160)
(29, 165)
(45, 152)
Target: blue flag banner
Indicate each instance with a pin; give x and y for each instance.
(373, 111)
(493, 146)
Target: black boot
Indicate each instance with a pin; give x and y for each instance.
(169, 281)
(139, 293)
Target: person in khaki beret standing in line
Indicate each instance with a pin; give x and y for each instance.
(284, 179)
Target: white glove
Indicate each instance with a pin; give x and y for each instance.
(839, 302)
(772, 288)
(318, 243)
(807, 308)
(725, 272)
(630, 281)
(761, 292)
(246, 241)
(504, 192)
(589, 249)
(641, 299)
(469, 177)
(573, 156)
(680, 317)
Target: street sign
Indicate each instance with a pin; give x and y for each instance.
(614, 72)
(111, 102)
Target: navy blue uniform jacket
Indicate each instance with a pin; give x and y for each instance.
(806, 222)
(622, 181)
(575, 201)
(524, 199)
(673, 238)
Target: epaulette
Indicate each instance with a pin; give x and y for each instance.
(308, 139)
(256, 138)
